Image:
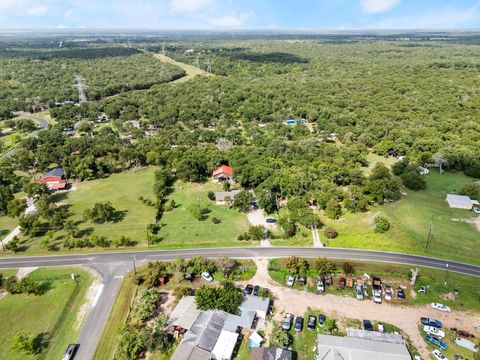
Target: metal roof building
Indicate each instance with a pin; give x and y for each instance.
(340, 348)
(186, 351)
(459, 201)
(185, 313)
(256, 303)
(245, 321)
(225, 345)
(206, 329)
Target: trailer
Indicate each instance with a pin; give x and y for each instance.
(467, 344)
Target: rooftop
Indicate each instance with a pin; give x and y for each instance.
(223, 169)
(58, 171)
(459, 201)
(270, 354)
(206, 329)
(186, 351)
(184, 313)
(255, 303)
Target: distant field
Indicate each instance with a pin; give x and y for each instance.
(410, 217)
(40, 315)
(180, 229)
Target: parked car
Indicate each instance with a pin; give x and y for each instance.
(388, 293)
(206, 276)
(432, 330)
(287, 322)
(270, 220)
(367, 325)
(436, 341)
(438, 355)
(377, 297)
(431, 322)
(320, 285)
(302, 280)
(476, 210)
(254, 205)
(248, 289)
(328, 281)
(381, 328)
(400, 294)
(256, 290)
(440, 307)
(70, 352)
(321, 320)
(422, 290)
(312, 322)
(341, 283)
(359, 292)
(291, 280)
(299, 323)
(188, 277)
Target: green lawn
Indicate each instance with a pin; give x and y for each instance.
(123, 191)
(373, 159)
(7, 224)
(467, 286)
(409, 218)
(181, 230)
(52, 315)
(452, 347)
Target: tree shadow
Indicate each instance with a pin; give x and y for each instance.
(119, 215)
(44, 287)
(60, 196)
(40, 342)
(85, 232)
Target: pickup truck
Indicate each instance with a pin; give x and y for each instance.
(434, 331)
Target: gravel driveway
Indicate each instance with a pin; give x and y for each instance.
(406, 318)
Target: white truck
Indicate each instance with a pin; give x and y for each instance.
(377, 290)
(466, 344)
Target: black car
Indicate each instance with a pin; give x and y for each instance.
(431, 322)
(321, 320)
(400, 294)
(367, 325)
(248, 289)
(256, 290)
(70, 352)
(188, 277)
(312, 322)
(302, 280)
(299, 323)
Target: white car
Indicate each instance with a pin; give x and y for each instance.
(439, 355)
(388, 293)
(476, 210)
(320, 286)
(206, 276)
(291, 280)
(432, 330)
(440, 307)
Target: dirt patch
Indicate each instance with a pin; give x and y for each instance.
(24, 272)
(475, 221)
(406, 318)
(257, 217)
(91, 297)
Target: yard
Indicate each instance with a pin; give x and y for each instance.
(181, 230)
(409, 219)
(54, 315)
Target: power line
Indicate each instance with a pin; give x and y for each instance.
(81, 86)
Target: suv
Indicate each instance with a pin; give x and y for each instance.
(291, 280)
(359, 292)
(400, 294)
(256, 290)
(299, 323)
(287, 322)
(248, 289)
(70, 352)
(320, 285)
(206, 276)
(302, 280)
(388, 293)
(321, 320)
(312, 322)
(367, 325)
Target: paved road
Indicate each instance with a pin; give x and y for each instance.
(113, 266)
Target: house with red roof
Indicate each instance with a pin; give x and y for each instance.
(55, 179)
(223, 173)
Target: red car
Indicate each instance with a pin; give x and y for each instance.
(341, 283)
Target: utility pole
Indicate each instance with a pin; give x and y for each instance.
(446, 274)
(134, 268)
(209, 66)
(429, 235)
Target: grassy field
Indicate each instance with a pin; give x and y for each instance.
(52, 315)
(6, 225)
(123, 191)
(191, 70)
(181, 230)
(409, 218)
(453, 348)
(373, 159)
(467, 286)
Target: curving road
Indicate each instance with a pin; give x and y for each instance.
(113, 267)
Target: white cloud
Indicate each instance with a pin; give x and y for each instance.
(37, 10)
(60, 26)
(229, 21)
(190, 6)
(378, 6)
(68, 13)
(22, 7)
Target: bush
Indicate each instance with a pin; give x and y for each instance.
(226, 298)
(145, 304)
(381, 224)
(414, 181)
(333, 209)
(330, 233)
(348, 268)
(216, 220)
(124, 241)
(211, 195)
(471, 190)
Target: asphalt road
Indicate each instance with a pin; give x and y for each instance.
(113, 266)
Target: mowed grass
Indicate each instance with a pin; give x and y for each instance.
(123, 191)
(7, 224)
(52, 315)
(452, 238)
(181, 230)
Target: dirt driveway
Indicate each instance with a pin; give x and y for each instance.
(406, 318)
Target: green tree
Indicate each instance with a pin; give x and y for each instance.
(243, 200)
(145, 304)
(293, 264)
(324, 266)
(12, 245)
(227, 298)
(414, 181)
(348, 268)
(6, 195)
(257, 232)
(100, 213)
(16, 207)
(131, 343)
(278, 337)
(30, 225)
(226, 265)
(333, 209)
(381, 224)
(23, 343)
(471, 190)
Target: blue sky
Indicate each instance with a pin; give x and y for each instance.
(241, 14)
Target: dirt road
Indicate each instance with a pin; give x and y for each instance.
(406, 318)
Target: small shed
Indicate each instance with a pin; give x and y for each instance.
(459, 202)
(255, 340)
(256, 303)
(225, 345)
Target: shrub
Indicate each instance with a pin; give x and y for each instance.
(381, 224)
(216, 220)
(348, 268)
(211, 195)
(145, 304)
(414, 181)
(333, 209)
(330, 233)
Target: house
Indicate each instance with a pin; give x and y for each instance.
(331, 347)
(271, 353)
(102, 117)
(243, 321)
(461, 202)
(226, 343)
(257, 304)
(185, 313)
(224, 197)
(222, 173)
(186, 351)
(55, 179)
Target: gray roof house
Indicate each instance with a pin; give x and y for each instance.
(337, 348)
(460, 201)
(185, 313)
(270, 353)
(206, 329)
(186, 351)
(256, 303)
(244, 320)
